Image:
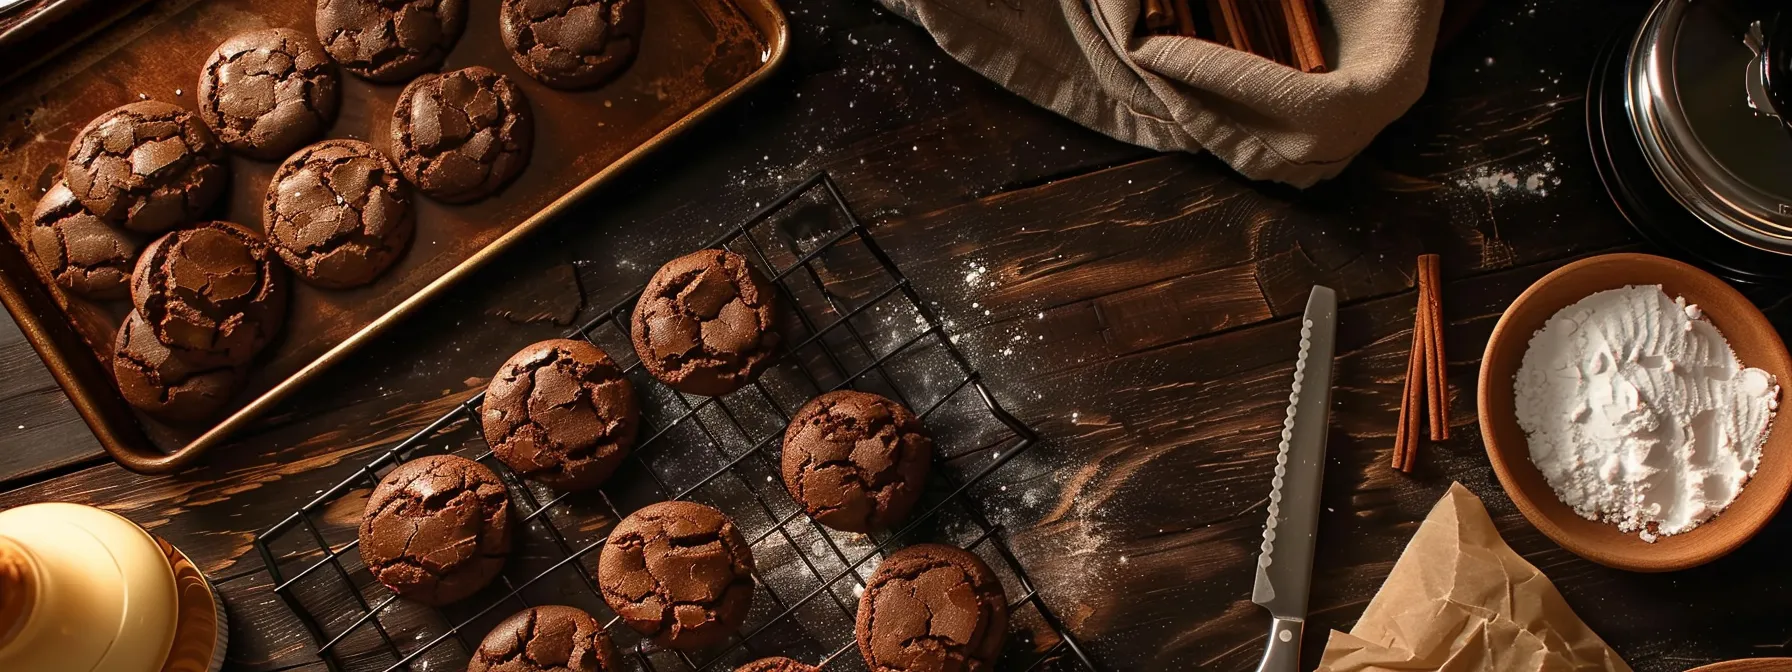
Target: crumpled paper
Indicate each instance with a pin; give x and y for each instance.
(1461, 599)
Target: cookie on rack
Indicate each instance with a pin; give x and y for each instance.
(777, 664)
(461, 136)
(572, 44)
(436, 529)
(705, 324)
(338, 213)
(390, 41)
(932, 607)
(158, 381)
(856, 461)
(213, 293)
(268, 92)
(148, 166)
(81, 253)
(560, 412)
(551, 638)
(679, 573)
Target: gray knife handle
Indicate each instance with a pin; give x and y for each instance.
(1283, 652)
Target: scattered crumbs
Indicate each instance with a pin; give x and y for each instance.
(178, 92)
(608, 104)
(142, 96)
(858, 590)
(1122, 559)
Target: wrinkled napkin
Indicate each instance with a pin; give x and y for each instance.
(1081, 59)
(1461, 599)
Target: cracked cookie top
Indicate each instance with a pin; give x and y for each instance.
(777, 664)
(149, 166)
(932, 607)
(547, 639)
(156, 380)
(856, 461)
(78, 251)
(462, 135)
(338, 213)
(561, 413)
(390, 41)
(705, 324)
(572, 44)
(437, 528)
(268, 92)
(679, 573)
(212, 292)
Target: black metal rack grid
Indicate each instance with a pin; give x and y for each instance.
(870, 331)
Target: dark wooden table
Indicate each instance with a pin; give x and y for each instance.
(1136, 308)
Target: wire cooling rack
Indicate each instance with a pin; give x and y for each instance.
(851, 327)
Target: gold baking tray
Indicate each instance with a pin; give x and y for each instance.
(696, 55)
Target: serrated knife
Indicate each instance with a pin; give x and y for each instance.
(1285, 566)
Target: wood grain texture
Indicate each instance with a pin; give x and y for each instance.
(1138, 310)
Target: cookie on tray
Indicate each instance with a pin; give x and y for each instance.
(78, 251)
(572, 44)
(461, 136)
(679, 573)
(436, 529)
(160, 382)
(268, 92)
(148, 166)
(705, 324)
(338, 213)
(213, 293)
(932, 607)
(390, 41)
(856, 461)
(561, 413)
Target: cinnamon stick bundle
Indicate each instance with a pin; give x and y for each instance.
(1424, 400)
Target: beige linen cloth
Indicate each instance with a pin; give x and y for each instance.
(1270, 122)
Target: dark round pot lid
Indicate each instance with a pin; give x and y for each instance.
(1698, 98)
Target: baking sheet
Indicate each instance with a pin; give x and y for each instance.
(696, 55)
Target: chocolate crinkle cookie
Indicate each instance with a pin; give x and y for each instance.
(705, 323)
(78, 251)
(268, 92)
(436, 529)
(571, 44)
(561, 413)
(550, 638)
(679, 573)
(338, 213)
(935, 608)
(777, 664)
(159, 381)
(462, 135)
(213, 293)
(390, 40)
(149, 166)
(857, 462)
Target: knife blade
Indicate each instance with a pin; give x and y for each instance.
(1285, 565)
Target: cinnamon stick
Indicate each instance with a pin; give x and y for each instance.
(1406, 435)
(1185, 17)
(1157, 15)
(1303, 35)
(1433, 391)
(1440, 416)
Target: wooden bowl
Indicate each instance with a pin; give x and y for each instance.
(1751, 337)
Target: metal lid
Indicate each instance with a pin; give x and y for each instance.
(1689, 80)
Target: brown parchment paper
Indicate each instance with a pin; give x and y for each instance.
(1461, 599)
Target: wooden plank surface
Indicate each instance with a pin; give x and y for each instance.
(1134, 308)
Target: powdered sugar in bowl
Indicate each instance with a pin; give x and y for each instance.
(1627, 405)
